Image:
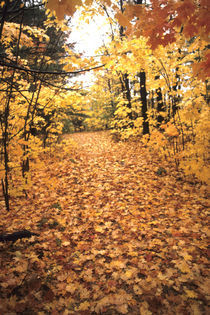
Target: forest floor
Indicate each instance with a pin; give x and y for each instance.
(120, 232)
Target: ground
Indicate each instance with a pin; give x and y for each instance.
(120, 232)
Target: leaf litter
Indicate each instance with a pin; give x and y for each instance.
(115, 236)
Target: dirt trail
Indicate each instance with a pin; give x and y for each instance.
(124, 240)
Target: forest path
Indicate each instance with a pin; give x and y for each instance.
(115, 237)
(117, 175)
(143, 232)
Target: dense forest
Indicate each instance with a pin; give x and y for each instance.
(104, 177)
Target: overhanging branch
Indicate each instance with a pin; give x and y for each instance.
(63, 73)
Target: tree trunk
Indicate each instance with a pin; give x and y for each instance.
(125, 80)
(143, 95)
(160, 106)
(176, 98)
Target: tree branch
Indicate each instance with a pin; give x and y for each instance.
(65, 73)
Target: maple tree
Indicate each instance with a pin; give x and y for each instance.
(159, 20)
(170, 90)
(99, 226)
(34, 54)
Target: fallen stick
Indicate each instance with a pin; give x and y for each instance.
(13, 237)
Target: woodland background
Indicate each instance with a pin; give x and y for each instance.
(151, 94)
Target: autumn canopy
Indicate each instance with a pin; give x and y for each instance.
(104, 157)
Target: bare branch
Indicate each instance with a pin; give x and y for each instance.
(62, 73)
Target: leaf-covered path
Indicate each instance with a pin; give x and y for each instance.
(120, 233)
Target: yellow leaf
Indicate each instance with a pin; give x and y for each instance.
(99, 229)
(183, 266)
(108, 2)
(122, 19)
(88, 2)
(172, 131)
(18, 254)
(195, 309)
(186, 256)
(127, 275)
(84, 306)
(191, 294)
(71, 288)
(144, 309)
(62, 277)
(123, 309)
(84, 293)
(137, 289)
(162, 276)
(117, 264)
(23, 267)
(67, 243)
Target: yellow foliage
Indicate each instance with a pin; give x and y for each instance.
(63, 8)
(196, 154)
(171, 130)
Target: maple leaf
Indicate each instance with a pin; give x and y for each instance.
(84, 306)
(63, 7)
(148, 241)
(84, 293)
(62, 277)
(186, 256)
(137, 290)
(71, 288)
(128, 274)
(117, 264)
(123, 20)
(22, 267)
(66, 243)
(191, 294)
(144, 309)
(183, 266)
(123, 309)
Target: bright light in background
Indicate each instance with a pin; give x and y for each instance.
(88, 36)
